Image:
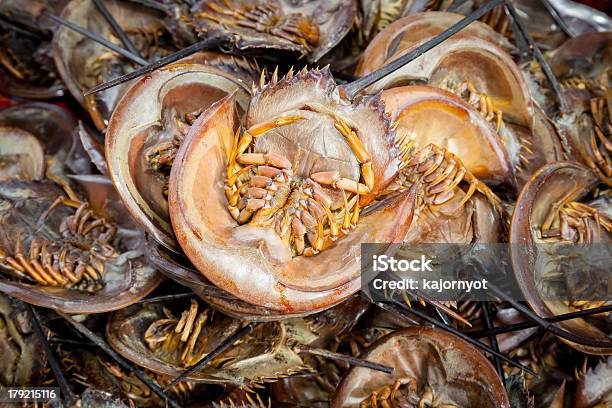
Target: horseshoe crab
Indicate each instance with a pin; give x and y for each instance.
(283, 215)
(554, 213)
(47, 129)
(476, 67)
(301, 28)
(26, 63)
(153, 336)
(83, 63)
(141, 143)
(583, 66)
(432, 368)
(70, 254)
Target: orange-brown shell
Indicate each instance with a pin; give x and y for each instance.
(432, 115)
(473, 56)
(547, 188)
(251, 262)
(458, 373)
(190, 84)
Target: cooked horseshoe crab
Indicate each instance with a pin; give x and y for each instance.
(166, 342)
(179, 269)
(477, 68)
(587, 88)
(432, 368)
(69, 254)
(141, 144)
(556, 208)
(26, 61)
(191, 223)
(284, 197)
(83, 63)
(300, 29)
(37, 128)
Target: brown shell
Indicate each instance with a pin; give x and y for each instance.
(22, 155)
(55, 128)
(250, 262)
(587, 55)
(190, 84)
(75, 55)
(320, 24)
(124, 285)
(456, 370)
(432, 115)
(416, 29)
(473, 56)
(265, 354)
(547, 187)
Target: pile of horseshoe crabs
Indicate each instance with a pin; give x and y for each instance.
(214, 209)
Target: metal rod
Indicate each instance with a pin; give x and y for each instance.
(208, 43)
(125, 40)
(354, 88)
(546, 325)
(537, 54)
(558, 18)
(486, 314)
(531, 324)
(227, 343)
(51, 358)
(97, 38)
(167, 297)
(395, 304)
(302, 348)
(156, 389)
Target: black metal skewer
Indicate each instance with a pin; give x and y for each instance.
(537, 54)
(97, 38)
(354, 88)
(120, 360)
(546, 325)
(486, 314)
(227, 343)
(62, 382)
(531, 324)
(302, 348)
(395, 305)
(206, 44)
(152, 4)
(554, 13)
(125, 40)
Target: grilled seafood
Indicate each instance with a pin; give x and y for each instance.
(68, 254)
(83, 63)
(282, 191)
(550, 212)
(588, 91)
(141, 144)
(255, 190)
(432, 368)
(26, 62)
(302, 29)
(477, 68)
